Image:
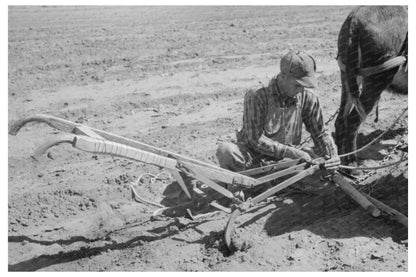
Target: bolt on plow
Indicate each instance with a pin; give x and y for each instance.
(221, 189)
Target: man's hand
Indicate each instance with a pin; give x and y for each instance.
(332, 163)
(293, 153)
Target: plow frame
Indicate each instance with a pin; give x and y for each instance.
(218, 179)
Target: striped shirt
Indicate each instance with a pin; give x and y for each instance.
(272, 121)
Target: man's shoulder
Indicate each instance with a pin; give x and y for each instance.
(309, 91)
(309, 95)
(258, 93)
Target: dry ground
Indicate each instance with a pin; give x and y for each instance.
(174, 77)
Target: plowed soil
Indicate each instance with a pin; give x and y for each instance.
(174, 78)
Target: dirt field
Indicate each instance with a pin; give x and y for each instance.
(174, 78)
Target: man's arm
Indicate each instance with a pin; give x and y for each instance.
(253, 122)
(312, 117)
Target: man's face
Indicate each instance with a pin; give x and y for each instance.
(293, 87)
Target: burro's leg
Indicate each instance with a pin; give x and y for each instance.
(343, 137)
(373, 86)
(347, 128)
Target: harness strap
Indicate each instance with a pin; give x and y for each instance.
(392, 63)
(368, 71)
(341, 65)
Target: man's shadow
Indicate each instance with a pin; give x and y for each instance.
(333, 214)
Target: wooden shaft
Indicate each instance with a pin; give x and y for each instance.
(396, 215)
(356, 195)
(268, 168)
(281, 173)
(284, 184)
(195, 173)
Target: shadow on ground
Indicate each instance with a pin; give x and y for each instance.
(334, 215)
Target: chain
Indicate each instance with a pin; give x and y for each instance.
(378, 137)
(400, 142)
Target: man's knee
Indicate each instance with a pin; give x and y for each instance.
(225, 152)
(226, 148)
(230, 157)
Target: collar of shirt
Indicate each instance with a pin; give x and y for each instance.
(284, 100)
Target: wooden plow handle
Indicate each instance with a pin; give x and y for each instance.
(50, 143)
(72, 127)
(211, 171)
(99, 146)
(54, 122)
(96, 146)
(116, 149)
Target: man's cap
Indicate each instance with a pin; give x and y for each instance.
(300, 66)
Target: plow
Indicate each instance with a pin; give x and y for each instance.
(214, 189)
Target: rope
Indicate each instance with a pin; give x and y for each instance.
(153, 178)
(140, 199)
(377, 138)
(368, 71)
(372, 167)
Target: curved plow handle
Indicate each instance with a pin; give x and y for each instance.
(54, 122)
(99, 146)
(50, 143)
